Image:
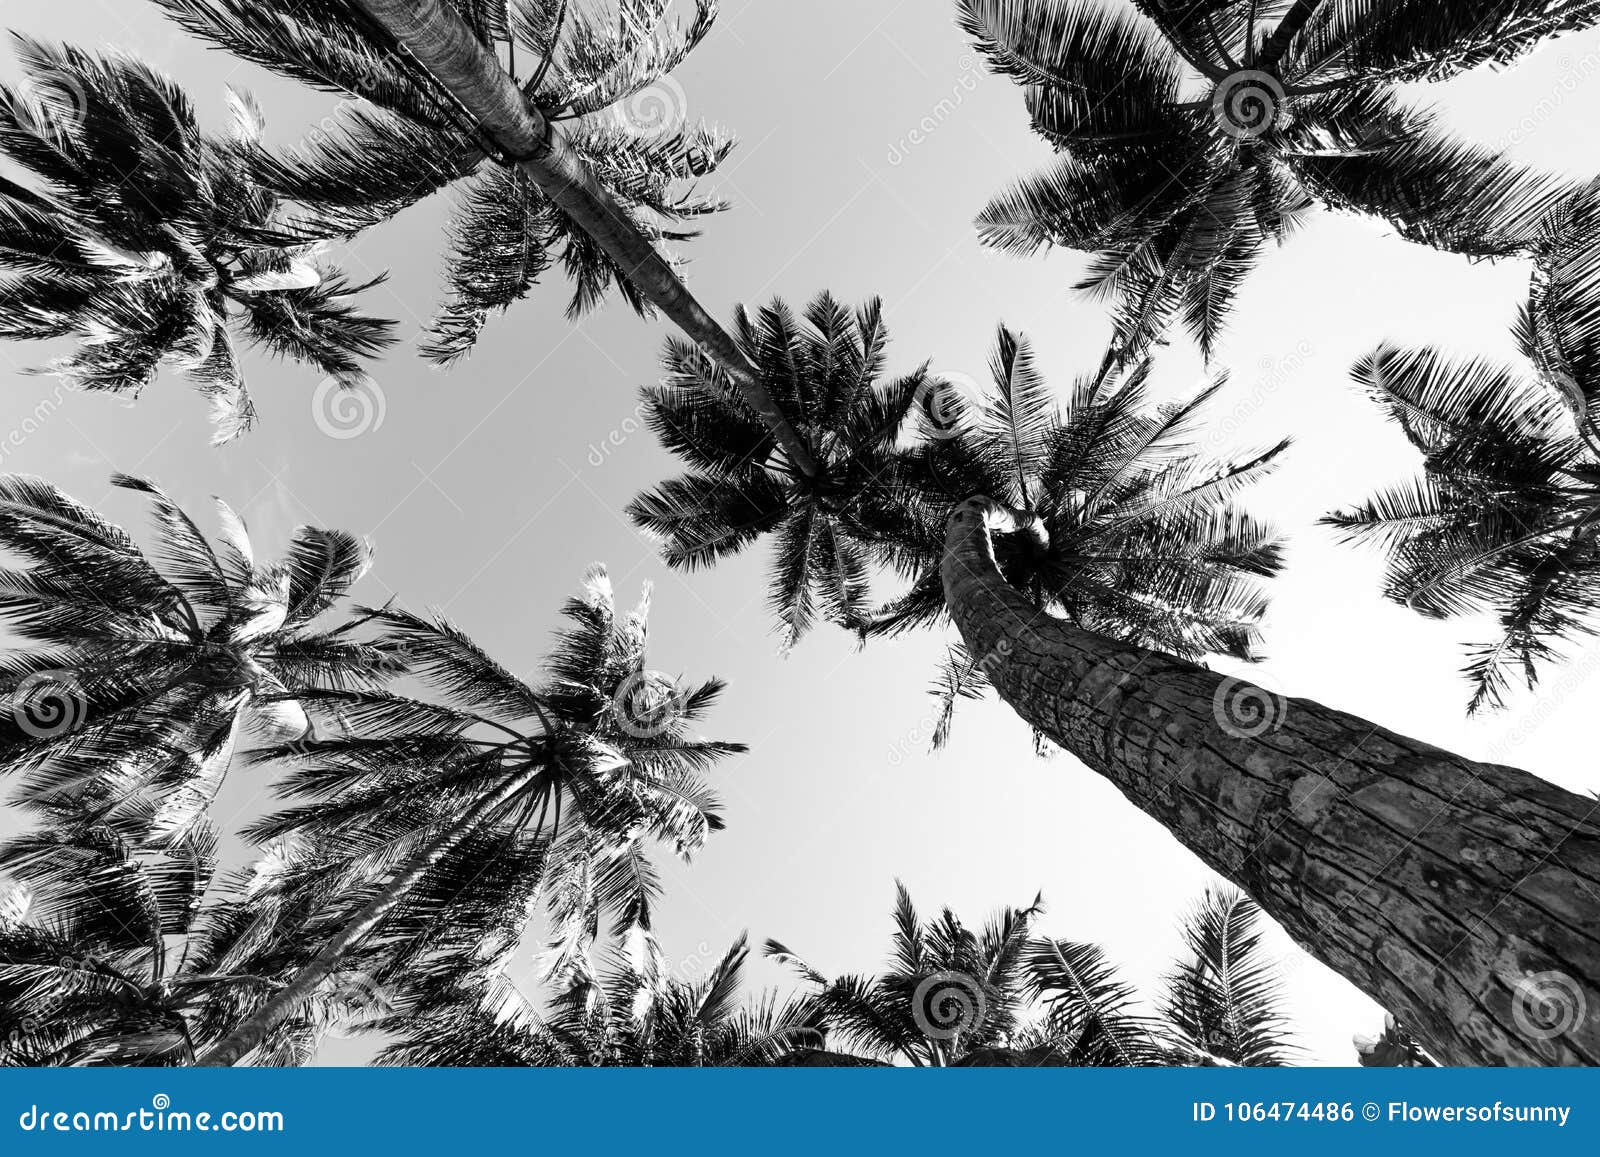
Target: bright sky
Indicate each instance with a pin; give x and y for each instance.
(870, 139)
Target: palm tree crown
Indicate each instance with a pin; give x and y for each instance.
(630, 1013)
(1004, 996)
(150, 242)
(139, 676)
(113, 954)
(589, 67)
(827, 375)
(1193, 134)
(552, 792)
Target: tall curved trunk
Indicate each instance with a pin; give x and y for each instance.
(1463, 897)
(445, 45)
(252, 1031)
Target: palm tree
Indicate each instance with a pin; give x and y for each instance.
(1123, 529)
(1394, 1048)
(137, 677)
(1507, 511)
(1343, 831)
(1193, 134)
(549, 159)
(631, 1014)
(826, 377)
(149, 242)
(401, 810)
(111, 954)
(956, 997)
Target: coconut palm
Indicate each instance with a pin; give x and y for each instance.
(564, 785)
(1250, 781)
(1123, 528)
(1506, 514)
(826, 374)
(1004, 997)
(557, 152)
(1193, 134)
(579, 67)
(136, 675)
(113, 954)
(630, 1013)
(147, 240)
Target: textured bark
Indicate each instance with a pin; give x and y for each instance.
(1463, 897)
(444, 44)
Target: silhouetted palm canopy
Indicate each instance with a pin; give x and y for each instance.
(556, 791)
(111, 954)
(150, 243)
(1505, 515)
(630, 1013)
(1128, 531)
(1194, 133)
(827, 375)
(1003, 996)
(137, 676)
(589, 65)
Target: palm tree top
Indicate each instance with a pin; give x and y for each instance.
(136, 673)
(596, 68)
(151, 243)
(1193, 135)
(574, 777)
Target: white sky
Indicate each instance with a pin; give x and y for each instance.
(488, 489)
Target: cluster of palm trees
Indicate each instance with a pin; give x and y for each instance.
(1087, 556)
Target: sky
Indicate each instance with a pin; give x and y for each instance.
(870, 137)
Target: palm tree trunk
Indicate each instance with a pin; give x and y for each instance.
(1283, 35)
(445, 45)
(252, 1031)
(1461, 896)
